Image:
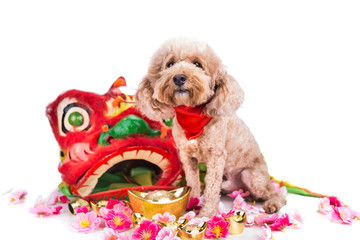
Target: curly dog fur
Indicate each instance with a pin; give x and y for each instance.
(227, 147)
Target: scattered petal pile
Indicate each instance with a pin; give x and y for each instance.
(40, 209)
(337, 210)
(117, 217)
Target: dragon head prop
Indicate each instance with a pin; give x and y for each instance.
(107, 145)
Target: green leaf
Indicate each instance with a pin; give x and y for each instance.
(66, 191)
(139, 170)
(121, 185)
(143, 179)
(202, 167)
(300, 192)
(110, 178)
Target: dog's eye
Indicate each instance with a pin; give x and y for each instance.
(170, 64)
(197, 64)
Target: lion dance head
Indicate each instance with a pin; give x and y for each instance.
(107, 146)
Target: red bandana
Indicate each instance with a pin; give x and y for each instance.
(192, 120)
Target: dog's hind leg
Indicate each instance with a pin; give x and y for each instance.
(258, 183)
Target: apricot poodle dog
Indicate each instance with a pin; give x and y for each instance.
(187, 80)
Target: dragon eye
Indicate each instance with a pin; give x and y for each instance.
(75, 118)
(62, 156)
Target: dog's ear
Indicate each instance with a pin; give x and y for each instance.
(228, 95)
(149, 106)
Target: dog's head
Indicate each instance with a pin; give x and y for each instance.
(185, 72)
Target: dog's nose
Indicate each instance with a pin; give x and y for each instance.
(179, 79)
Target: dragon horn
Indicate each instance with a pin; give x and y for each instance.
(120, 82)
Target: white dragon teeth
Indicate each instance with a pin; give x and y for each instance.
(143, 154)
(114, 161)
(163, 164)
(159, 160)
(130, 155)
(153, 157)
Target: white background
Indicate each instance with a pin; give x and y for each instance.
(298, 63)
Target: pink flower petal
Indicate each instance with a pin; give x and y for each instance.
(266, 233)
(82, 209)
(249, 221)
(194, 204)
(146, 231)
(189, 216)
(217, 228)
(56, 210)
(167, 233)
(281, 222)
(240, 192)
(41, 210)
(109, 234)
(63, 199)
(228, 214)
(121, 207)
(239, 202)
(164, 218)
(118, 221)
(354, 214)
(264, 218)
(334, 201)
(124, 237)
(17, 196)
(103, 212)
(86, 222)
(296, 219)
(342, 215)
(278, 187)
(53, 197)
(324, 206)
(252, 210)
(111, 203)
(197, 221)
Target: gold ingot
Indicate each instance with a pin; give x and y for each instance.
(77, 202)
(137, 219)
(100, 204)
(174, 224)
(237, 222)
(192, 232)
(160, 201)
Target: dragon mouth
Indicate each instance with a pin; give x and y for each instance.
(154, 158)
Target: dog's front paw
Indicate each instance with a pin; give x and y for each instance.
(273, 204)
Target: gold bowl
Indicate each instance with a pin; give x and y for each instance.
(160, 201)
